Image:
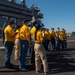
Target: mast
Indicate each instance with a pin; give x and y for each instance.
(23, 3)
(36, 12)
(14, 1)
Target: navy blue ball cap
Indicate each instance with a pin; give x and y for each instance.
(37, 26)
(18, 26)
(63, 29)
(34, 23)
(12, 22)
(58, 28)
(26, 20)
(52, 28)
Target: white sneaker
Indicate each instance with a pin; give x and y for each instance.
(38, 71)
(46, 73)
(23, 69)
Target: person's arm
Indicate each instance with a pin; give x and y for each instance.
(12, 33)
(0, 30)
(28, 35)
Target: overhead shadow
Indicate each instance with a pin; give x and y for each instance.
(29, 67)
(67, 49)
(60, 61)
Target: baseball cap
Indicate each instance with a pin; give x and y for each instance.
(12, 22)
(26, 20)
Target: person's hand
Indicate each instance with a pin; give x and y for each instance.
(29, 44)
(16, 33)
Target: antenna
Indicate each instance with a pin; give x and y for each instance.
(23, 3)
(14, 1)
(33, 6)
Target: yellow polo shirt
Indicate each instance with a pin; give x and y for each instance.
(47, 35)
(65, 35)
(9, 34)
(18, 34)
(57, 33)
(52, 33)
(39, 37)
(24, 32)
(62, 36)
(32, 31)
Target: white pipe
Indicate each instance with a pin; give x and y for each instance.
(12, 1)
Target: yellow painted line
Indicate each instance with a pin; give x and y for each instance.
(2, 47)
(70, 40)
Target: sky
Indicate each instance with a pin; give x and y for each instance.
(57, 13)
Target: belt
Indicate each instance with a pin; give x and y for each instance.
(38, 43)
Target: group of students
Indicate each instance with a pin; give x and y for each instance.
(56, 40)
(36, 40)
(25, 39)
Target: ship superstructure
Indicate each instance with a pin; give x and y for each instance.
(9, 9)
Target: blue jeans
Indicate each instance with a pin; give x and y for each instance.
(62, 44)
(53, 43)
(57, 43)
(65, 44)
(23, 53)
(9, 47)
(32, 53)
(45, 44)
